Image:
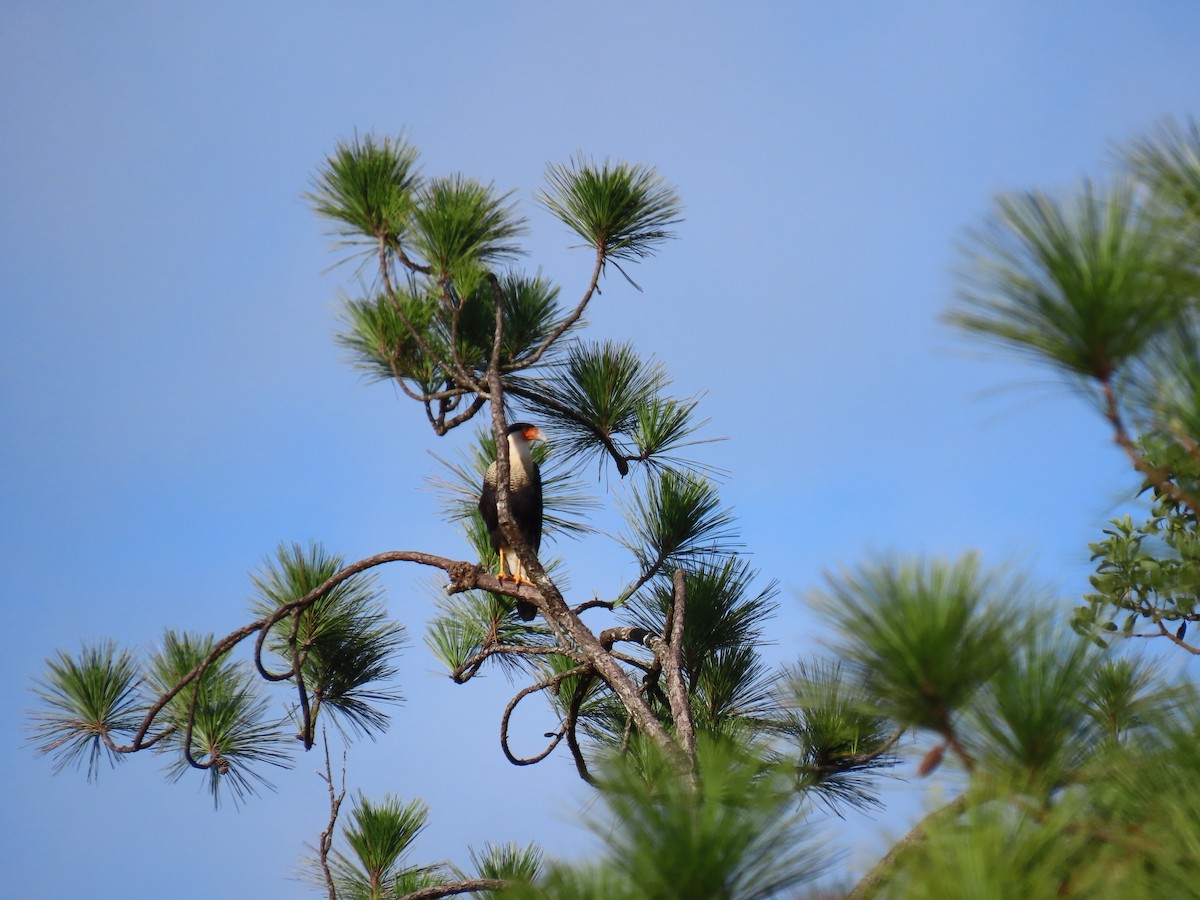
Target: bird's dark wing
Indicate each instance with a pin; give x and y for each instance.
(487, 509)
(527, 510)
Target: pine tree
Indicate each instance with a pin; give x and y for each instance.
(1074, 765)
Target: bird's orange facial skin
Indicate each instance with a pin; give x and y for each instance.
(532, 433)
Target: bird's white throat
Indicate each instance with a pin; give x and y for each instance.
(520, 458)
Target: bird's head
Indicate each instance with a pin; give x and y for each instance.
(523, 431)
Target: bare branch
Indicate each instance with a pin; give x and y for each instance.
(1178, 642)
(650, 571)
(471, 666)
(335, 804)
(451, 888)
(592, 604)
(467, 414)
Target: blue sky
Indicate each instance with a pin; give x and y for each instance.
(173, 404)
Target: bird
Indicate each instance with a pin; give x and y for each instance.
(524, 504)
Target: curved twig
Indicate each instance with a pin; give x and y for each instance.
(650, 571)
(467, 414)
(112, 745)
(187, 734)
(592, 604)
(573, 710)
(521, 695)
(631, 634)
(632, 660)
(308, 714)
(394, 244)
(258, 650)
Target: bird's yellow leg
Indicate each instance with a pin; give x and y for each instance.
(501, 576)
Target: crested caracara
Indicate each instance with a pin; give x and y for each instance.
(524, 504)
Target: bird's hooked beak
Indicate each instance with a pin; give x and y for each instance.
(532, 433)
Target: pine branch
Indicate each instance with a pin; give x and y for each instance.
(450, 888)
(464, 576)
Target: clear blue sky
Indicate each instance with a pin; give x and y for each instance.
(173, 405)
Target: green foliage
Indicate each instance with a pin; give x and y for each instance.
(344, 643)
(530, 309)
(417, 337)
(735, 833)
(723, 611)
(993, 852)
(231, 733)
(1084, 283)
(1081, 771)
(508, 862)
(602, 385)
(1032, 726)
(924, 636)
(434, 333)
(380, 836)
(1127, 829)
(675, 518)
(604, 397)
(1149, 572)
(1168, 162)
(835, 739)
(384, 336)
(662, 426)
(90, 704)
(621, 209)
(1127, 698)
(367, 188)
(1084, 780)
(461, 226)
(468, 623)
(1163, 394)
(731, 694)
